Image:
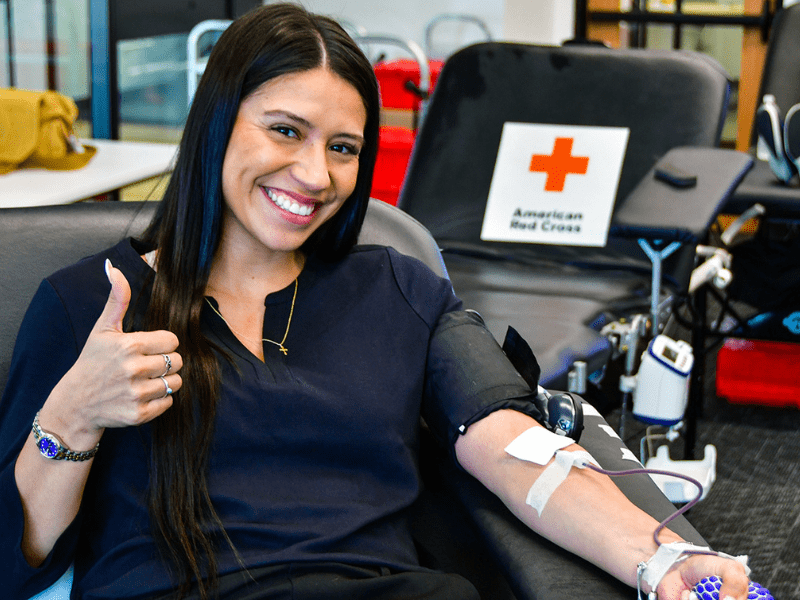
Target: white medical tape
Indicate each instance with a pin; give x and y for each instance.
(662, 561)
(669, 554)
(554, 475)
(741, 559)
(537, 445)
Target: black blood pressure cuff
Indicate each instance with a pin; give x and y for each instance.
(469, 377)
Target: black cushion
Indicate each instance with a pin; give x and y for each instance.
(781, 76)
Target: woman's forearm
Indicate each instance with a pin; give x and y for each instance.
(50, 490)
(587, 514)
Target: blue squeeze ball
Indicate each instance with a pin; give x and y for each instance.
(708, 589)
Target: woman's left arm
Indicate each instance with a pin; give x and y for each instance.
(587, 514)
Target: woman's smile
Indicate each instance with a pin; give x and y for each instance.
(302, 207)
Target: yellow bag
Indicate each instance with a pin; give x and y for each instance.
(36, 132)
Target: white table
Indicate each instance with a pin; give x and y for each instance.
(116, 164)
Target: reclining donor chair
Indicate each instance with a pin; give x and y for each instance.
(760, 330)
(584, 306)
(459, 525)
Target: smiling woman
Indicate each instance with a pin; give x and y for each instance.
(291, 163)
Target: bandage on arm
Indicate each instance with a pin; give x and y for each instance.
(538, 445)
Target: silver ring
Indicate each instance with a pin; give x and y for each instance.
(167, 364)
(167, 389)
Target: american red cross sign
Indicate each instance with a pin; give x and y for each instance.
(554, 184)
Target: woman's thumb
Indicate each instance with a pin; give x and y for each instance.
(118, 300)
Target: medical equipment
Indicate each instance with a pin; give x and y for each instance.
(562, 413)
(662, 385)
(660, 391)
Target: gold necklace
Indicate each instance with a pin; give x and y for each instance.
(285, 334)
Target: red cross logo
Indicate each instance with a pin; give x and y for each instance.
(559, 164)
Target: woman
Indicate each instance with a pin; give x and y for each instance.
(282, 458)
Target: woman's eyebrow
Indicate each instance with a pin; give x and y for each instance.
(288, 115)
(351, 136)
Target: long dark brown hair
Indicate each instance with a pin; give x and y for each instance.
(268, 42)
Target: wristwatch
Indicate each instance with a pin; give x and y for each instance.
(52, 447)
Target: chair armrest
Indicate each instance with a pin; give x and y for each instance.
(657, 210)
(536, 568)
(782, 201)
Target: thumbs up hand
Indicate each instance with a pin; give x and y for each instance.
(120, 379)
(118, 300)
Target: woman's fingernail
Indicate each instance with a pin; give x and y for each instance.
(108, 269)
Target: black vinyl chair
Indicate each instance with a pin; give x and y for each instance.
(761, 301)
(781, 79)
(766, 269)
(781, 74)
(560, 297)
(459, 525)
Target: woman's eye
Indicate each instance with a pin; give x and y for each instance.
(286, 130)
(345, 149)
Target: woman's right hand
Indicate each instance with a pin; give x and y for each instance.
(115, 382)
(117, 379)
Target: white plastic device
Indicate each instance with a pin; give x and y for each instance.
(677, 490)
(662, 384)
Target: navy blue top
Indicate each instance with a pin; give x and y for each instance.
(315, 453)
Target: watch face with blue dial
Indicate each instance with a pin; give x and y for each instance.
(48, 446)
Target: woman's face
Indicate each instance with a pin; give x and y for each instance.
(291, 161)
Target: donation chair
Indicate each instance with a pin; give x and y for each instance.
(780, 79)
(766, 268)
(459, 525)
(757, 320)
(781, 74)
(561, 297)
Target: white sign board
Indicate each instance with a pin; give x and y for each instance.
(554, 184)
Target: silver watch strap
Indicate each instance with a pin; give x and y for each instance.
(51, 446)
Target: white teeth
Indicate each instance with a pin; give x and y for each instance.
(289, 205)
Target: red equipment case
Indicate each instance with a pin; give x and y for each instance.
(759, 372)
(394, 150)
(396, 143)
(392, 77)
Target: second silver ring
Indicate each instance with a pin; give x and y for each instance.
(167, 389)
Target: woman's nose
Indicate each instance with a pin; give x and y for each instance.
(311, 167)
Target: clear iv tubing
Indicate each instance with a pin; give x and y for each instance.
(674, 515)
